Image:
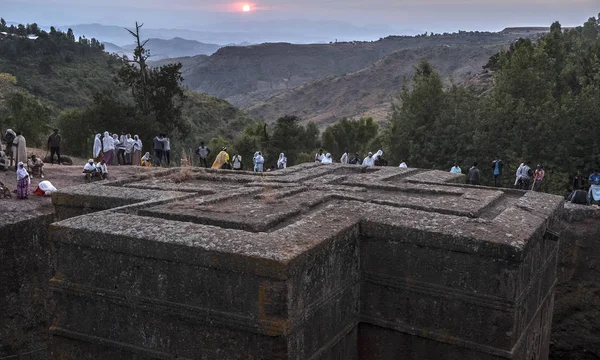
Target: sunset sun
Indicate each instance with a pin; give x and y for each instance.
(246, 8)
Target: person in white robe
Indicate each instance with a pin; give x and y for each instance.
(369, 160)
(327, 159)
(403, 165)
(97, 154)
(345, 158)
(282, 162)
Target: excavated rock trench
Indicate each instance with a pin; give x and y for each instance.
(26, 266)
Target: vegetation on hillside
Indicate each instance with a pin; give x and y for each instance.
(50, 79)
(544, 107)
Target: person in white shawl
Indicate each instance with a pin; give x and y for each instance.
(369, 160)
(403, 165)
(136, 158)
(108, 148)
(45, 189)
(282, 162)
(345, 158)
(377, 155)
(97, 148)
(327, 159)
(23, 181)
(259, 162)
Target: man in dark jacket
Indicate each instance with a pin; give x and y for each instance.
(473, 175)
(355, 160)
(54, 146)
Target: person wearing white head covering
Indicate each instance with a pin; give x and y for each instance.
(282, 162)
(20, 148)
(23, 181)
(136, 158)
(345, 158)
(108, 148)
(97, 154)
(403, 165)
(146, 160)
(89, 170)
(128, 149)
(369, 160)
(45, 189)
(327, 159)
(377, 155)
(259, 162)
(117, 146)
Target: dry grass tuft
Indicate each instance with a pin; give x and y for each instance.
(185, 170)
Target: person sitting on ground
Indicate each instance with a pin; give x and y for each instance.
(473, 175)
(237, 162)
(146, 160)
(327, 159)
(35, 166)
(282, 161)
(369, 161)
(222, 160)
(23, 181)
(456, 169)
(45, 189)
(3, 161)
(355, 160)
(345, 158)
(538, 177)
(319, 156)
(90, 170)
(259, 162)
(102, 168)
(403, 165)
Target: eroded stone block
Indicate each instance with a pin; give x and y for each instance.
(311, 262)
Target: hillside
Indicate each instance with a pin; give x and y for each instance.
(163, 49)
(370, 91)
(189, 63)
(248, 75)
(57, 69)
(65, 75)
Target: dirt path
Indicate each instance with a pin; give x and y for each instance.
(60, 176)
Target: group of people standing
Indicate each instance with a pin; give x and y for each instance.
(15, 154)
(222, 161)
(113, 149)
(527, 178)
(347, 159)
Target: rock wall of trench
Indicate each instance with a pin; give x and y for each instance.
(25, 303)
(576, 323)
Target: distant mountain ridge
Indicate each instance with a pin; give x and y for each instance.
(163, 49)
(250, 75)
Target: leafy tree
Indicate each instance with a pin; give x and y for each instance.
(355, 135)
(27, 114)
(157, 92)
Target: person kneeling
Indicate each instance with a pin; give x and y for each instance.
(35, 165)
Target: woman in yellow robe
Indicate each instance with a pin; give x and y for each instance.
(221, 160)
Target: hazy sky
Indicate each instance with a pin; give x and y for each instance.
(436, 15)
